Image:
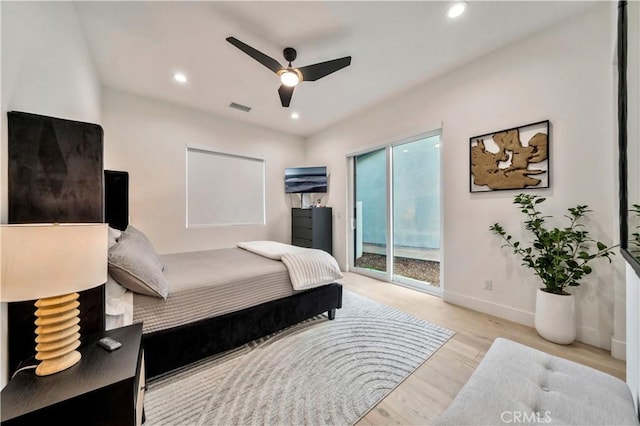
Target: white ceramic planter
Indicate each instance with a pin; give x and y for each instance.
(555, 317)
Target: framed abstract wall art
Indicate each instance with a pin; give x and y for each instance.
(516, 158)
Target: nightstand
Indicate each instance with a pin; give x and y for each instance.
(104, 388)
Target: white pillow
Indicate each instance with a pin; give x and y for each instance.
(114, 236)
(124, 319)
(114, 293)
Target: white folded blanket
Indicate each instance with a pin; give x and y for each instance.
(308, 268)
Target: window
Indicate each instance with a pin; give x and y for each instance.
(224, 189)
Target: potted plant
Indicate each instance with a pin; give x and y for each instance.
(560, 257)
(634, 240)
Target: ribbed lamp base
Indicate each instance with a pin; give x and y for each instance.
(57, 334)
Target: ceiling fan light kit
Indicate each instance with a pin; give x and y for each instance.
(290, 76)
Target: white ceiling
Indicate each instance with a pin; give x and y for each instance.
(395, 45)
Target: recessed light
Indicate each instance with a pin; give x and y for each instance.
(295, 115)
(180, 77)
(457, 9)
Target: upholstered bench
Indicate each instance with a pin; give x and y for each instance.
(516, 384)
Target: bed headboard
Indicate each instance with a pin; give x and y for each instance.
(66, 155)
(116, 199)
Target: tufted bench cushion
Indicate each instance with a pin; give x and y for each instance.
(516, 384)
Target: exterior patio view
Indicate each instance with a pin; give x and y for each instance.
(414, 241)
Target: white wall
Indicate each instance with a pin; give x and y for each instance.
(564, 74)
(148, 139)
(46, 69)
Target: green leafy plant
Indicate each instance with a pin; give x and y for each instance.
(559, 256)
(635, 237)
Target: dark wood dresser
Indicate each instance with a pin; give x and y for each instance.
(312, 228)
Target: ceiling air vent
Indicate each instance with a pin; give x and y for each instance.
(240, 107)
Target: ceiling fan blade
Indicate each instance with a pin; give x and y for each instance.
(317, 71)
(285, 93)
(265, 60)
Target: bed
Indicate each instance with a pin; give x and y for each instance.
(193, 305)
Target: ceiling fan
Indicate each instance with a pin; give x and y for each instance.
(289, 76)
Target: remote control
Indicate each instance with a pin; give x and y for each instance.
(109, 343)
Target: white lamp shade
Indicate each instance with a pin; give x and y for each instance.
(46, 260)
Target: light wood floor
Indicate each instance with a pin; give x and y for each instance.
(424, 395)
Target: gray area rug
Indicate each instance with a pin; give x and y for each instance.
(319, 372)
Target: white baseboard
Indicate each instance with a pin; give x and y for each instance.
(587, 335)
(618, 349)
(594, 337)
(491, 308)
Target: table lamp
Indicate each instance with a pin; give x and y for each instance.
(51, 263)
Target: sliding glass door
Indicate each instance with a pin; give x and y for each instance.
(397, 212)
(371, 211)
(416, 210)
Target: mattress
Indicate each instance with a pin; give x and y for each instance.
(210, 283)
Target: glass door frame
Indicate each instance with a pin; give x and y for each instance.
(388, 275)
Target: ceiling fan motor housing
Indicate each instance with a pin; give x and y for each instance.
(290, 54)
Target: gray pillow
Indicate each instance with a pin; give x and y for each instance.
(135, 264)
(143, 240)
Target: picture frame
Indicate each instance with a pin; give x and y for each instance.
(511, 159)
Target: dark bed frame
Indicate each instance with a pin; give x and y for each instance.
(166, 350)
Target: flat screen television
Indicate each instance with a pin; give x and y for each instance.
(304, 180)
